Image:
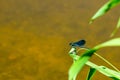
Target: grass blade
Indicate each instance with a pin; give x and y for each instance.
(91, 73)
(105, 8)
(105, 71)
(115, 30)
(109, 73)
(113, 42)
(78, 65)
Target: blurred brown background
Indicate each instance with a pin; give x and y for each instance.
(34, 37)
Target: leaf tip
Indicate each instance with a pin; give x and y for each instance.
(91, 21)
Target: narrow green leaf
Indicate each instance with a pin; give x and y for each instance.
(105, 8)
(78, 65)
(113, 42)
(77, 62)
(105, 71)
(109, 73)
(117, 27)
(91, 73)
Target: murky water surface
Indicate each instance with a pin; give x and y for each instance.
(34, 37)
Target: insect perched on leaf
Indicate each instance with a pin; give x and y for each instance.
(80, 43)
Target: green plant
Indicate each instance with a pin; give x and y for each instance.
(80, 61)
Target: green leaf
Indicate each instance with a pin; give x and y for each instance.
(113, 42)
(91, 73)
(105, 8)
(105, 71)
(115, 30)
(78, 65)
(109, 73)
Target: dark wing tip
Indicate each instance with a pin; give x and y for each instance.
(82, 42)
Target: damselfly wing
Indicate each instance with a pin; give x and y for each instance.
(80, 43)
